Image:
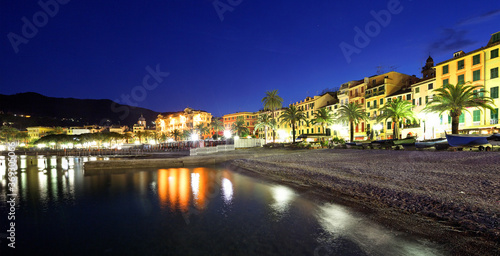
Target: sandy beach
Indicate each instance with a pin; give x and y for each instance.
(449, 197)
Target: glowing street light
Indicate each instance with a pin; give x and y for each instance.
(195, 136)
(227, 134)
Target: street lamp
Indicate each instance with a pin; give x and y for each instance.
(378, 128)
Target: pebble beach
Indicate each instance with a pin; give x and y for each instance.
(450, 197)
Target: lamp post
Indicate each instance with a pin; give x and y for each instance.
(377, 128)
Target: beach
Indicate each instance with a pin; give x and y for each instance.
(450, 197)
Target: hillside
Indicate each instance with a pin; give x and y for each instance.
(52, 111)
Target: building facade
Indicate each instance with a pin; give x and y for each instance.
(479, 67)
(249, 119)
(39, 131)
(185, 120)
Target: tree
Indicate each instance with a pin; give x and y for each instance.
(457, 98)
(239, 127)
(127, 136)
(396, 110)
(216, 126)
(292, 116)
(176, 134)
(323, 117)
(352, 114)
(185, 135)
(272, 102)
(202, 129)
(8, 134)
(263, 121)
(139, 135)
(23, 137)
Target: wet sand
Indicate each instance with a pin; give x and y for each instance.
(449, 197)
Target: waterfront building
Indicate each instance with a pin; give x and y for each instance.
(39, 131)
(249, 118)
(480, 67)
(306, 128)
(140, 126)
(77, 130)
(377, 90)
(121, 129)
(185, 120)
(94, 128)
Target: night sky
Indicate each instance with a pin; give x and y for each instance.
(223, 60)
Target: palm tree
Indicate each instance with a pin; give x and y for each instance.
(217, 126)
(323, 117)
(292, 115)
(185, 135)
(202, 129)
(456, 99)
(240, 127)
(396, 110)
(127, 136)
(351, 113)
(176, 134)
(139, 135)
(272, 102)
(263, 121)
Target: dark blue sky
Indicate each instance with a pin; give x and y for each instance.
(100, 49)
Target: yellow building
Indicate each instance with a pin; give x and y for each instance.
(308, 106)
(422, 93)
(480, 67)
(39, 131)
(375, 90)
(185, 120)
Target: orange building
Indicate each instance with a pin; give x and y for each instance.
(250, 118)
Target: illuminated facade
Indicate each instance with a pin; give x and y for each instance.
(186, 120)
(248, 117)
(480, 67)
(39, 131)
(140, 126)
(373, 94)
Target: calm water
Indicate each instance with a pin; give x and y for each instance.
(199, 211)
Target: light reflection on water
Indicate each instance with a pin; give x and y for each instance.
(187, 211)
(371, 238)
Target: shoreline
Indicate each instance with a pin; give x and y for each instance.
(425, 207)
(448, 197)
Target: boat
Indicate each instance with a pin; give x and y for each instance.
(405, 141)
(430, 143)
(354, 144)
(494, 139)
(383, 143)
(408, 143)
(467, 140)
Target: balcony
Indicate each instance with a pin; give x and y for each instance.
(494, 121)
